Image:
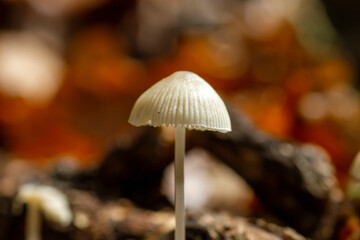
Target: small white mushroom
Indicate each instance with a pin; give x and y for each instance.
(52, 202)
(183, 100)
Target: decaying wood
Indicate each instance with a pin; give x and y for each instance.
(219, 226)
(95, 219)
(132, 169)
(295, 182)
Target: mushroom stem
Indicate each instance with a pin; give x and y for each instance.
(179, 183)
(33, 227)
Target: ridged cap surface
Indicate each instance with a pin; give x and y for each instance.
(183, 98)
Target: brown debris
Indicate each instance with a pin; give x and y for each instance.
(95, 220)
(205, 225)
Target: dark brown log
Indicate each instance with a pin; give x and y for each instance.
(133, 168)
(296, 182)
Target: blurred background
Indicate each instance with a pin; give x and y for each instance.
(70, 70)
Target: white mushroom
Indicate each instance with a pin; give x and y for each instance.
(183, 100)
(52, 202)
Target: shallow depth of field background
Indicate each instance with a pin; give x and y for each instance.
(70, 70)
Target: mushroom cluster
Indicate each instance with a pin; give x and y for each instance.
(183, 100)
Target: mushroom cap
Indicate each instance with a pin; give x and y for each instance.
(51, 201)
(185, 99)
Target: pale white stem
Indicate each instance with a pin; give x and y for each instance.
(179, 183)
(32, 224)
